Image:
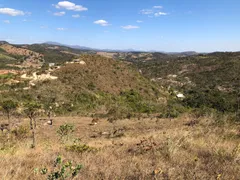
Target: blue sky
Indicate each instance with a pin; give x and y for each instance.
(164, 25)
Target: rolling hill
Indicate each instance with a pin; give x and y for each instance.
(210, 80)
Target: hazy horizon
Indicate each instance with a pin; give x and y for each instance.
(109, 49)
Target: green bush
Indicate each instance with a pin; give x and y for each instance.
(207, 99)
(61, 170)
(86, 101)
(136, 103)
(65, 130)
(173, 109)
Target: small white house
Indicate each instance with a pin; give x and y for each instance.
(179, 95)
(51, 64)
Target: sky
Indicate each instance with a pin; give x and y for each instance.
(161, 25)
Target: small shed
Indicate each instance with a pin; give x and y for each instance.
(180, 95)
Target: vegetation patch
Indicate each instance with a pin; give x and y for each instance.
(62, 170)
(80, 148)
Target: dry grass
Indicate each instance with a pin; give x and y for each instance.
(132, 149)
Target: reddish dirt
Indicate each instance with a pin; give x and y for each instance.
(4, 71)
(19, 51)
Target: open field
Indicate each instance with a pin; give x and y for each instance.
(150, 148)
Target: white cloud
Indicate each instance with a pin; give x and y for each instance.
(101, 22)
(154, 12)
(157, 7)
(11, 12)
(70, 6)
(139, 21)
(61, 29)
(59, 13)
(146, 11)
(160, 14)
(76, 16)
(130, 27)
(6, 21)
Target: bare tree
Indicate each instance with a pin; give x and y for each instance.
(32, 110)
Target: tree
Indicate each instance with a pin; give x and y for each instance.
(32, 110)
(8, 107)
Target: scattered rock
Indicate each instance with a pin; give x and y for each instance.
(95, 121)
(192, 123)
(4, 127)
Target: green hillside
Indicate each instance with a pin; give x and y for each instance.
(101, 85)
(210, 80)
(5, 59)
(55, 54)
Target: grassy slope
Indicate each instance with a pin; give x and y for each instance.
(105, 75)
(169, 148)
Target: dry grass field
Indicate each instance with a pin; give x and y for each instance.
(151, 148)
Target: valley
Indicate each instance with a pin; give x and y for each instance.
(118, 115)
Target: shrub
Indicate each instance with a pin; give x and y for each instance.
(65, 130)
(79, 148)
(21, 132)
(172, 110)
(129, 103)
(119, 112)
(62, 170)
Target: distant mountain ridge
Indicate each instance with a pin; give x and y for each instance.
(85, 48)
(71, 46)
(89, 48)
(187, 53)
